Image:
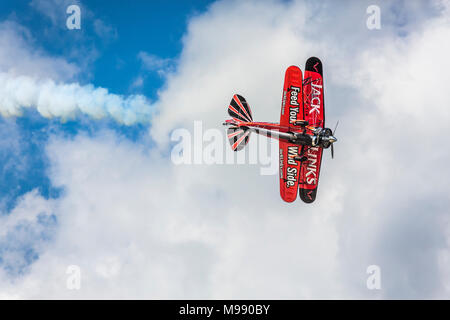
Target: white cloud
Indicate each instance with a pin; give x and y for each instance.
(104, 30)
(151, 62)
(160, 232)
(19, 55)
(138, 82)
(141, 228)
(24, 233)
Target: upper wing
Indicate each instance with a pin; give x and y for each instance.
(314, 113)
(291, 110)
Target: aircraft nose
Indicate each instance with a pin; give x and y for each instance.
(332, 139)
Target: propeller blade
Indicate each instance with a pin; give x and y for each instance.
(332, 151)
(335, 127)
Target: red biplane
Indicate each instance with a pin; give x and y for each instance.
(301, 132)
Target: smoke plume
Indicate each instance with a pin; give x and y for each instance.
(69, 100)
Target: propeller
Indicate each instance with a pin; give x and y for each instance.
(332, 148)
(335, 127)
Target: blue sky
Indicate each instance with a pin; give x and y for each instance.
(155, 27)
(107, 60)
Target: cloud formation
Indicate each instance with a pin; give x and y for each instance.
(152, 62)
(19, 55)
(139, 227)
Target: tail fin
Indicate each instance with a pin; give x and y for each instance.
(240, 111)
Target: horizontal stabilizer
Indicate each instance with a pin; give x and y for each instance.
(238, 137)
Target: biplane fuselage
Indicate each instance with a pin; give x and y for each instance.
(301, 132)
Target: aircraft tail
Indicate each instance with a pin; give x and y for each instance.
(238, 137)
(240, 111)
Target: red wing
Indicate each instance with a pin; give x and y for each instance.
(291, 110)
(314, 113)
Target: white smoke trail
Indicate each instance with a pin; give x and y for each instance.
(69, 100)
